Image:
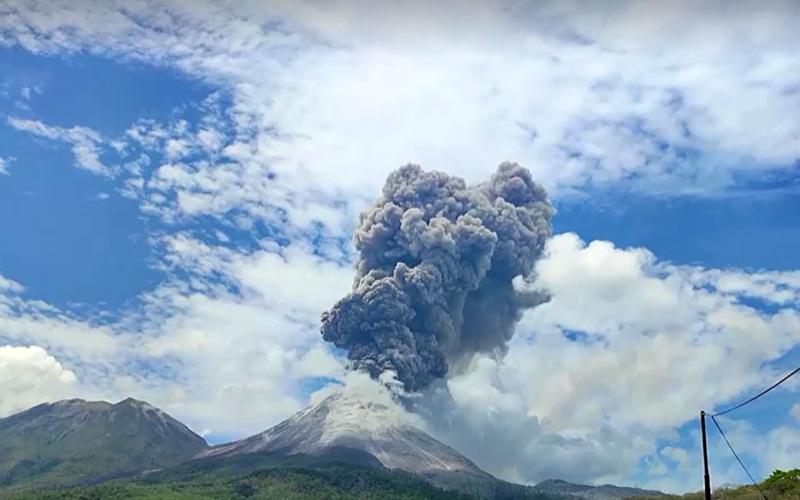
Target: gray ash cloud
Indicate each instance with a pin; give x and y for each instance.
(437, 262)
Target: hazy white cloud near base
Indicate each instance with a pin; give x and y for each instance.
(553, 396)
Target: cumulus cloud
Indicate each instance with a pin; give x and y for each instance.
(282, 279)
(253, 316)
(628, 350)
(782, 448)
(262, 340)
(260, 360)
(3, 166)
(260, 335)
(29, 376)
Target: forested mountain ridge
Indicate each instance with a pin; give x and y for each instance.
(74, 440)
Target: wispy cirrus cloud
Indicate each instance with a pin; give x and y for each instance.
(84, 142)
(581, 96)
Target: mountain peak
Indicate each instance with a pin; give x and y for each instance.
(138, 404)
(599, 492)
(74, 439)
(355, 413)
(72, 406)
(378, 428)
(73, 401)
(132, 402)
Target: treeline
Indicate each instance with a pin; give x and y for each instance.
(337, 483)
(780, 485)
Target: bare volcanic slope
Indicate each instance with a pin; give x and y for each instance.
(357, 428)
(75, 441)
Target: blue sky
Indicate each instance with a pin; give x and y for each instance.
(178, 186)
(101, 244)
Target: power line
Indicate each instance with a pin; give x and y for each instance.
(722, 433)
(776, 384)
(737, 456)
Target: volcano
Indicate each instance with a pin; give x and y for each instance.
(353, 428)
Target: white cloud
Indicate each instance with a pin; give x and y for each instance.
(259, 358)
(210, 139)
(677, 455)
(7, 285)
(29, 376)
(762, 450)
(777, 287)
(796, 412)
(323, 107)
(654, 347)
(4, 166)
(176, 148)
(295, 280)
(232, 362)
(782, 448)
(262, 341)
(28, 91)
(85, 142)
(34, 322)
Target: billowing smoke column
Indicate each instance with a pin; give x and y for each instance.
(434, 276)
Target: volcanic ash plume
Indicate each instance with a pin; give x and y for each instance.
(435, 269)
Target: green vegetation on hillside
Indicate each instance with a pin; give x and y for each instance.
(336, 482)
(781, 485)
(267, 476)
(73, 441)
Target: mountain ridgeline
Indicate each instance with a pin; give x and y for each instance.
(342, 447)
(75, 440)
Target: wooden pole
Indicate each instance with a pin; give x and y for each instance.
(706, 477)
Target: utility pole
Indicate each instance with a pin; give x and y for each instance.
(706, 477)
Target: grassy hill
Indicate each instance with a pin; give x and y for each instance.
(268, 476)
(781, 485)
(335, 482)
(75, 440)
